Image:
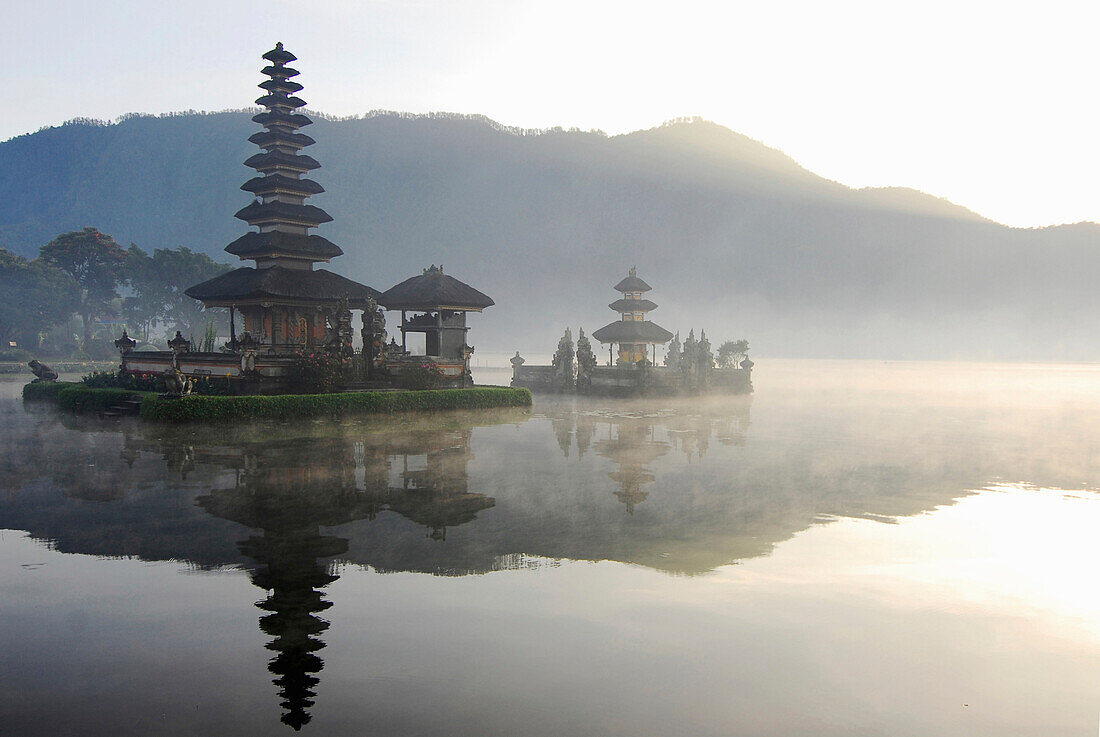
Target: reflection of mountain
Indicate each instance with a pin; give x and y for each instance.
(471, 493)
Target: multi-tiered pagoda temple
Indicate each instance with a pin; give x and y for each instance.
(632, 332)
(284, 302)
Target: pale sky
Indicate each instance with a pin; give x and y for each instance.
(991, 105)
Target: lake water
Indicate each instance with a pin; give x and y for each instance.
(859, 549)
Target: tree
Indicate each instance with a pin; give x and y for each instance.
(732, 352)
(34, 297)
(145, 304)
(95, 262)
(672, 354)
(174, 270)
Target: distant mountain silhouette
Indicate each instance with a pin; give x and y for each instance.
(734, 236)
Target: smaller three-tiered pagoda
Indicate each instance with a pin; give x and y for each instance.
(632, 332)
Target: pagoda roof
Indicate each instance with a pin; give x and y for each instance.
(270, 118)
(278, 160)
(434, 290)
(268, 212)
(632, 284)
(279, 55)
(275, 100)
(280, 72)
(278, 84)
(277, 283)
(282, 183)
(633, 305)
(277, 137)
(276, 243)
(632, 331)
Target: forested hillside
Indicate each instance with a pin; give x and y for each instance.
(734, 237)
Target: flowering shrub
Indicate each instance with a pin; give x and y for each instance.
(425, 376)
(138, 381)
(151, 381)
(319, 372)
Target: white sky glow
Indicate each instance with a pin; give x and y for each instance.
(991, 105)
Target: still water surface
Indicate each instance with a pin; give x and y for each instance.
(860, 549)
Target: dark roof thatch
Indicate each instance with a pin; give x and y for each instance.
(280, 72)
(274, 100)
(282, 183)
(632, 331)
(632, 284)
(273, 212)
(434, 290)
(277, 159)
(279, 283)
(278, 84)
(254, 245)
(280, 137)
(271, 118)
(633, 305)
(279, 55)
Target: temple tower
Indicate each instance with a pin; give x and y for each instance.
(285, 303)
(632, 332)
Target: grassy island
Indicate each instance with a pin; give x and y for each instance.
(80, 398)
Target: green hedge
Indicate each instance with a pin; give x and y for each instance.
(44, 390)
(306, 406)
(85, 399)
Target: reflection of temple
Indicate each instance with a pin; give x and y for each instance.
(290, 503)
(635, 438)
(433, 480)
(630, 443)
(290, 491)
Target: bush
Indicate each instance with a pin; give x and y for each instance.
(319, 372)
(78, 398)
(144, 381)
(309, 406)
(45, 390)
(427, 375)
(151, 381)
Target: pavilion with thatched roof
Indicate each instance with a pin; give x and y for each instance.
(438, 303)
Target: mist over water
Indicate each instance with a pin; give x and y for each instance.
(859, 548)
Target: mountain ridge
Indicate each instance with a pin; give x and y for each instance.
(735, 236)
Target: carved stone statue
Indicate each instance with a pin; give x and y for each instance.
(343, 328)
(374, 335)
(179, 346)
(516, 361)
(586, 363)
(125, 344)
(42, 372)
(176, 384)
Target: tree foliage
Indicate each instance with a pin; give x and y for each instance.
(732, 352)
(34, 297)
(157, 283)
(95, 262)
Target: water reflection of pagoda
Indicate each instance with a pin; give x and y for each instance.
(630, 443)
(433, 479)
(289, 504)
(290, 491)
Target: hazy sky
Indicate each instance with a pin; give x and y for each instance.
(991, 105)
